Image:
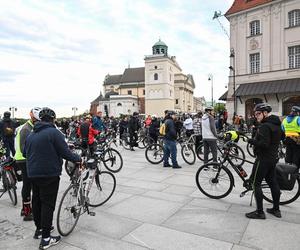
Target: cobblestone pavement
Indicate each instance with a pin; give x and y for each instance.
(161, 208)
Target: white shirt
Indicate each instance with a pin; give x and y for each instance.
(188, 124)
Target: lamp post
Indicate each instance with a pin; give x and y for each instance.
(74, 109)
(13, 110)
(232, 68)
(211, 78)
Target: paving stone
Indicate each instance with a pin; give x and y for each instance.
(178, 189)
(210, 203)
(169, 197)
(157, 237)
(145, 209)
(146, 185)
(272, 234)
(183, 180)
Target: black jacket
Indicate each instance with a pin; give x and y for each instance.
(170, 129)
(154, 127)
(133, 124)
(267, 139)
(44, 149)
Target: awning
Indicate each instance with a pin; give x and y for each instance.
(224, 96)
(269, 87)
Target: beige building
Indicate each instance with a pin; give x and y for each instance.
(158, 86)
(265, 55)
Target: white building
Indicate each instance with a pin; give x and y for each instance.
(265, 55)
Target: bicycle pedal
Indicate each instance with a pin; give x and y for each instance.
(92, 213)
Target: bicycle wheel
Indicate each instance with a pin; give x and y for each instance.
(214, 180)
(112, 160)
(188, 154)
(200, 153)
(250, 150)
(237, 151)
(154, 153)
(286, 196)
(102, 188)
(146, 142)
(9, 183)
(125, 141)
(68, 211)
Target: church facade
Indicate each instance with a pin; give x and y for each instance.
(158, 86)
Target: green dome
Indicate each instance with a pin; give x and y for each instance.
(160, 48)
(159, 43)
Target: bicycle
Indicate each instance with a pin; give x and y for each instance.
(215, 175)
(86, 185)
(187, 152)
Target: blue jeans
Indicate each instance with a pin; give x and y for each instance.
(170, 148)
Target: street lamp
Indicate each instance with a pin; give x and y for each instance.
(232, 68)
(13, 110)
(74, 109)
(211, 78)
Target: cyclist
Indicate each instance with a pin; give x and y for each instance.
(154, 128)
(197, 126)
(266, 142)
(7, 133)
(188, 125)
(133, 128)
(44, 149)
(291, 127)
(22, 133)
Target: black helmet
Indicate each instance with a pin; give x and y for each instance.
(170, 112)
(135, 113)
(295, 109)
(263, 107)
(47, 113)
(7, 114)
(208, 109)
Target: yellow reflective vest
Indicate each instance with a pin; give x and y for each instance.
(19, 155)
(291, 129)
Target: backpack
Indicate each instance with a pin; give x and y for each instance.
(286, 175)
(8, 129)
(162, 129)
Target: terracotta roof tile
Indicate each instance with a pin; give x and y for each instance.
(240, 5)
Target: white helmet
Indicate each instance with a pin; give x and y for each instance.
(34, 113)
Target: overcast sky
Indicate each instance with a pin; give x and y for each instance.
(56, 53)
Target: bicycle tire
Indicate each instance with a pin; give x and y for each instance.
(284, 193)
(10, 186)
(214, 169)
(145, 142)
(125, 141)
(111, 160)
(75, 214)
(200, 152)
(233, 151)
(109, 185)
(157, 151)
(250, 150)
(186, 151)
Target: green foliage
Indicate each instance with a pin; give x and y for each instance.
(219, 107)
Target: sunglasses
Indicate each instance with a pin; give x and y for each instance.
(257, 113)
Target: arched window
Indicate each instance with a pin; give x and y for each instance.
(294, 18)
(255, 28)
(119, 104)
(155, 76)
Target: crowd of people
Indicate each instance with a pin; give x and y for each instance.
(39, 148)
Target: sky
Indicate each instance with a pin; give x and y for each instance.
(56, 53)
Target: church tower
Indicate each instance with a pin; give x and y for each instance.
(160, 69)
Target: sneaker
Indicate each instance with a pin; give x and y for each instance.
(274, 212)
(45, 244)
(256, 215)
(176, 166)
(28, 217)
(38, 233)
(167, 165)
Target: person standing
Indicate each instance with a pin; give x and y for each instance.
(209, 134)
(188, 125)
(133, 128)
(291, 127)
(154, 129)
(98, 123)
(170, 141)
(22, 133)
(7, 133)
(266, 142)
(197, 125)
(44, 149)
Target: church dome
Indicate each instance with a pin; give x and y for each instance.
(160, 43)
(160, 48)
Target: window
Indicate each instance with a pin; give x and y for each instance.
(162, 51)
(294, 18)
(119, 104)
(144, 92)
(294, 57)
(155, 76)
(176, 101)
(129, 92)
(254, 63)
(255, 28)
(155, 67)
(133, 104)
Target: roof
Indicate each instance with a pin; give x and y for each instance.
(240, 5)
(224, 96)
(110, 93)
(133, 75)
(99, 98)
(160, 43)
(112, 79)
(269, 87)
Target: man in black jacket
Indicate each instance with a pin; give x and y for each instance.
(7, 133)
(133, 128)
(266, 142)
(170, 141)
(44, 149)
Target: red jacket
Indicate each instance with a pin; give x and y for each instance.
(91, 134)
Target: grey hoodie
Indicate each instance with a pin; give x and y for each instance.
(209, 131)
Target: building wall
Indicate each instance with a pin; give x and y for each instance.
(272, 45)
(128, 105)
(136, 91)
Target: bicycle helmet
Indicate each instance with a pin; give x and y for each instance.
(295, 109)
(35, 113)
(208, 109)
(263, 107)
(47, 113)
(7, 114)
